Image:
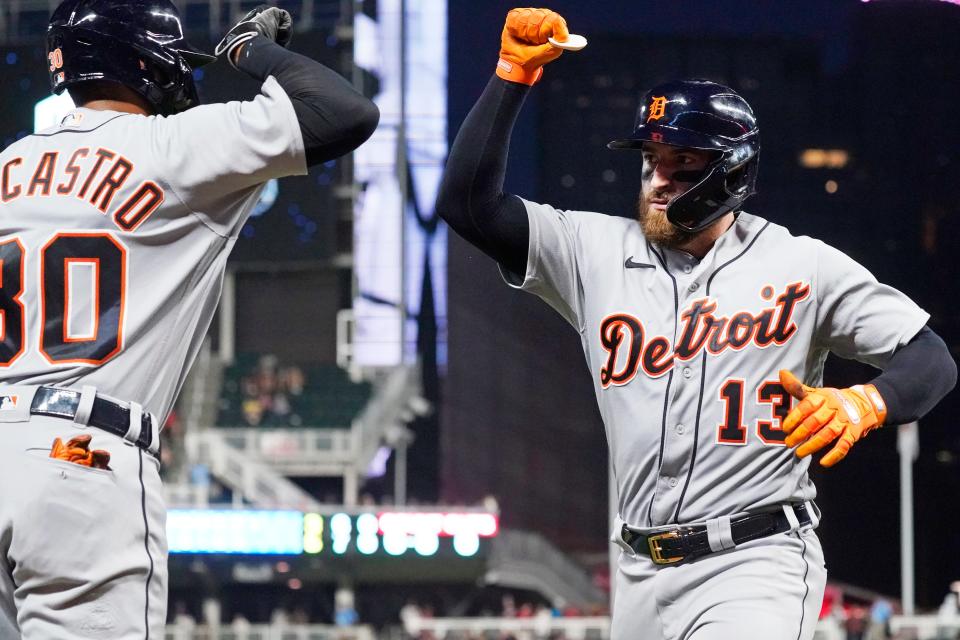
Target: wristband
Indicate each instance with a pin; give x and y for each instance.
(873, 396)
(513, 72)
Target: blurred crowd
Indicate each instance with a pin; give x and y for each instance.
(172, 450)
(844, 617)
(269, 394)
(266, 395)
(848, 618)
(414, 617)
(859, 621)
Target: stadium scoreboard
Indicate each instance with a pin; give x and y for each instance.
(287, 532)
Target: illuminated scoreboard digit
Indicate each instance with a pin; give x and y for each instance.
(312, 533)
(398, 533)
(394, 533)
(341, 530)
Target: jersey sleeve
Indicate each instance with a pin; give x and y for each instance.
(553, 272)
(860, 318)
(214, 153)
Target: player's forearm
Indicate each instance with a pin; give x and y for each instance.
(471, 198)
(334, 118)
(918, 375)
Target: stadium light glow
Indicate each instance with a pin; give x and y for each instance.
(824, 158)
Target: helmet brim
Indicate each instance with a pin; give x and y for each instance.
(673, 136)
(196, 58)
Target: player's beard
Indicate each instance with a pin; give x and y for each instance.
(657, 228)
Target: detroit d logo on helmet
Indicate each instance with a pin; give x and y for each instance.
(658, 106)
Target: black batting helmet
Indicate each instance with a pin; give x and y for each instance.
(699, 114)
(137, 43)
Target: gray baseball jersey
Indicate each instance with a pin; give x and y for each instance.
(114, 235)
(685, 353)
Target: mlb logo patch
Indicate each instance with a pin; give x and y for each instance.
(8, 403)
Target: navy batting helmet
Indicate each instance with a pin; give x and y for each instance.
(698, 114)
(137, 43)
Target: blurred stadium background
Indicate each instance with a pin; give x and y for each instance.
(346, 463)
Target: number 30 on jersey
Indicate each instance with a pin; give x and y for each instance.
(77, 325)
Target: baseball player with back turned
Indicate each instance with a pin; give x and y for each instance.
(115, 226)
(705, 329)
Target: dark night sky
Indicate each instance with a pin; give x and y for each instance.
(474, 31)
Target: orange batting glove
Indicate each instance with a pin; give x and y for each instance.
(523, 44)
(77, 450)
(826, 414)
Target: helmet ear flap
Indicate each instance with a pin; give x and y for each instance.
(723, 189)
(736, 180)
(741, 180)
(160, 77)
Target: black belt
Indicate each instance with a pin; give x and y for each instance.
(105, 414)
(686, 543)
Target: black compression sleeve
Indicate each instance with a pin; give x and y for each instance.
(334, 118)
(471, 197)
(918, 375)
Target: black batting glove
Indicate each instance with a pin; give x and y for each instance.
(271, 22)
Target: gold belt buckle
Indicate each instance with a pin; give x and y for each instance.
(656, 551)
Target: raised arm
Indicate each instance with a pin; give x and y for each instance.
(471, 198)
(334, 118)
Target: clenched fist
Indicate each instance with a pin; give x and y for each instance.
(523, 44)
(271, 22)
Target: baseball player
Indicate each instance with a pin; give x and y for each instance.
(705, 330)
(115, 226)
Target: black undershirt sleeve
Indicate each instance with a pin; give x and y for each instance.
(334, 117)
(917, 377)
(471, 198)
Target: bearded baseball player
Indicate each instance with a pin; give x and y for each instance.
(114, 234)
(705, 329)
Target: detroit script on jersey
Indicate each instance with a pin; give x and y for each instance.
(685, 353)
(622, 333)
(114, 234)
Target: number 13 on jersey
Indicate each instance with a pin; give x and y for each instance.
(733, 431)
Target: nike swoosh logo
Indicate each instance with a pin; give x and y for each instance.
(630, 264)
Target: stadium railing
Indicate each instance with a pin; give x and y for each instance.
(925, 627)
(538, 628)
(269, 632)
(928, 627)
